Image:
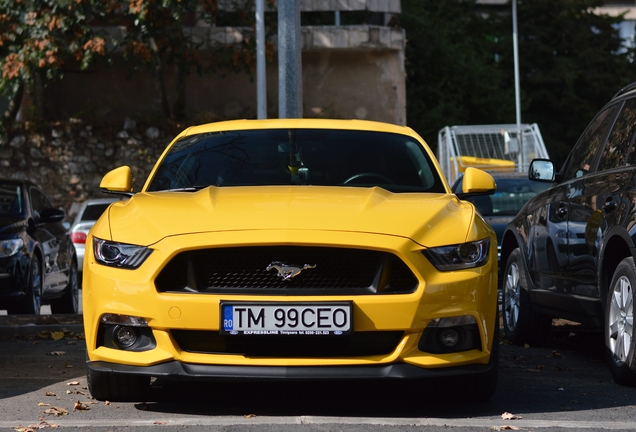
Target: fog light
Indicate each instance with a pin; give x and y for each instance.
(125, 336)
(449, 337)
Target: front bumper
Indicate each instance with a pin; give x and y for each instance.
(469, 292)
(185, 371)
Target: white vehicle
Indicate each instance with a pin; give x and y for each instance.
(494, 148)
(86, 217)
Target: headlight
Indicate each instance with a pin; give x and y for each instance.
(10, 247)
(120, 255)
(459, 257)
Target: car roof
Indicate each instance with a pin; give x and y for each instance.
(302, 123)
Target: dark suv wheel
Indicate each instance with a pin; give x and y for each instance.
(619, 323)
(521, 324)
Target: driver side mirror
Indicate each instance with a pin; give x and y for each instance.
(118, 181)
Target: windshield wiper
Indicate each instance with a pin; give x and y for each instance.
(186, 189)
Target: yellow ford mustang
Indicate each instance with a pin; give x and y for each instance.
(292, 249)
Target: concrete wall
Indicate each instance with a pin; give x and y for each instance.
(348, 72)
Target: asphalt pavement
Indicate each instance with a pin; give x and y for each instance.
(563, 385)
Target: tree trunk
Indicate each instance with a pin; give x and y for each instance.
(9, 116)
(161, 80)
(180, 85)
(37, 93)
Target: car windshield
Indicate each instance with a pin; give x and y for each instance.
(510, 197)
(10, 199)
(298, 156)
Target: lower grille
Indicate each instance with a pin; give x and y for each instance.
(321, 271)
(354, 345)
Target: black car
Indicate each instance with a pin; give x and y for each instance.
(570, 251)
(37, 258)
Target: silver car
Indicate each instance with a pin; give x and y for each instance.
(88, 214)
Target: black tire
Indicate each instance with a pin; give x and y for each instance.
(69, 302)
(521, 324)
(619, 321)
(31, 302)
(114, 387)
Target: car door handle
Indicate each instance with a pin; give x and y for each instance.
(610, 205)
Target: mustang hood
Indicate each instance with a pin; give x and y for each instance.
(429, 219)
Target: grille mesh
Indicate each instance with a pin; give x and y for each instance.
(243, 270)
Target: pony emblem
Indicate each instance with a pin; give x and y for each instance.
(287, 271)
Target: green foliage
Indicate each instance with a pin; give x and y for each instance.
(570, 66)
(460, 67)
(452, 76)
(37, 37)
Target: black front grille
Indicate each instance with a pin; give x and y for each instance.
(324, 271)
(353, 345)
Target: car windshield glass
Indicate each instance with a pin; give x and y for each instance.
(510, 197)
(298, 156)
(94, 211)
(10, 199)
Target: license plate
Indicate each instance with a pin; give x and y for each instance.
(307, 319)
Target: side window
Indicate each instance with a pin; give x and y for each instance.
(620, 139)
(38, 201)
(582, 156)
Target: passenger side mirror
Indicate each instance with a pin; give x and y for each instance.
(477, 182)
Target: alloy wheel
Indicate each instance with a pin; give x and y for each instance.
(621, 320)
(511, 296)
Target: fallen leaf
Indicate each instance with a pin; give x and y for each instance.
(106, 402)
(160, 422)
(57, 335)
(555, 354)
(57, 411)
(73, 383)
(43, 404)
(526, 346)
(67, 365)
(80, 406)
(509, 416)
(249, 415)
(56, 353)
(49, 393)
(508, 427)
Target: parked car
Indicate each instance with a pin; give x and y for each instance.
(37, 259)
(89, 212)
(569, 253)
(514, 189)
(291, 249)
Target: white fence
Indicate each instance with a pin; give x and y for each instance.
(489, 147)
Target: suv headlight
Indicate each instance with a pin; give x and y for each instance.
(459, 257)
(10, 247)
(120, 255)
